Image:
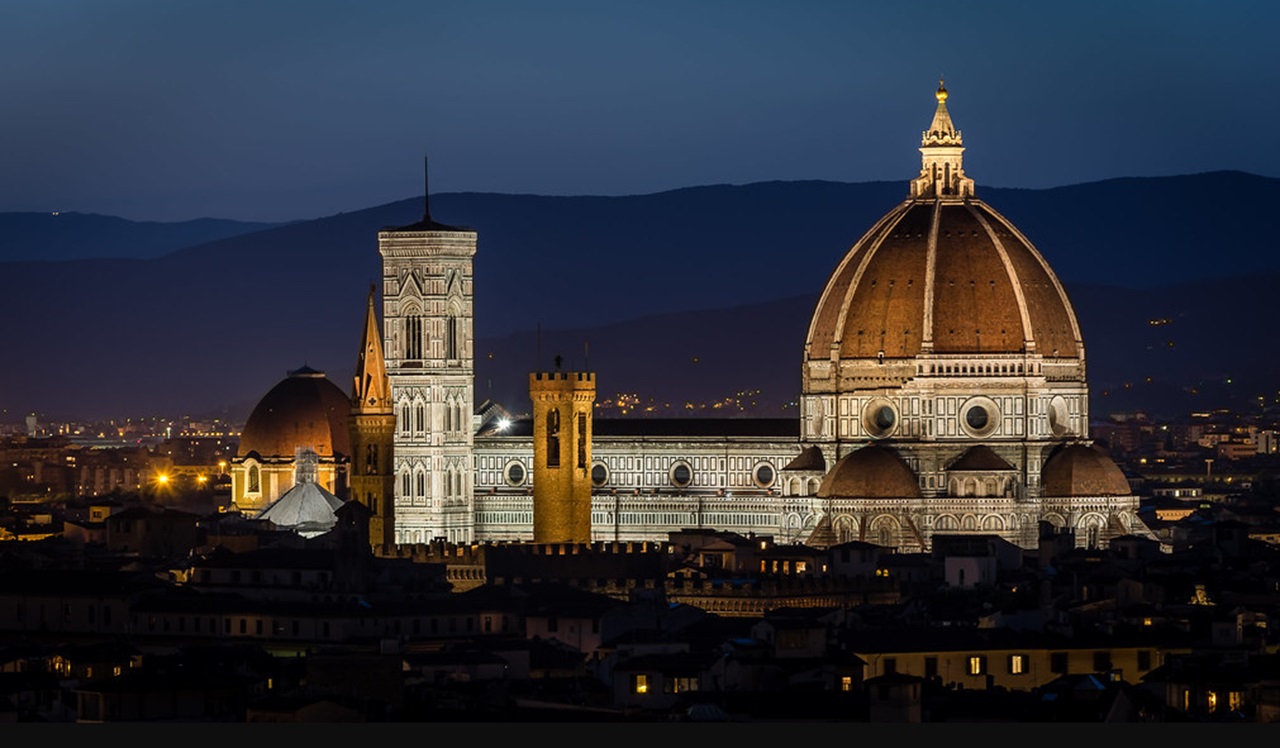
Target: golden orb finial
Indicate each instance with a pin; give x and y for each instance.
(942, 91)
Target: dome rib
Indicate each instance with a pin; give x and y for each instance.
(1040, 289)
(1028, 328)
(947, 277)
(825, 334)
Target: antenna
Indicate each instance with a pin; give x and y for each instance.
(586, 355)
(539, 342)
(426, 190)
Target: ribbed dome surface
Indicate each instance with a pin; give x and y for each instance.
(1078, 470)
(951, 275)
(304, 410)
(872, 472)
(306, 508)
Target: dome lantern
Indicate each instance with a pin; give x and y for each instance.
(941, 147)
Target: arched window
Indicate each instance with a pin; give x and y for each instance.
(254, 485)
(406, 487)
(404, 418)
(451, 337)
(422, 485)
(371, 459)
(553, 438)
(413, 337)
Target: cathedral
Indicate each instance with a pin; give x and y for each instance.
(943, 391)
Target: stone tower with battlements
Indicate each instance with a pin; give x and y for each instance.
(562, 409)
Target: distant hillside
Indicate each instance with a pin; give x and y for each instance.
(216, 325)
(79, 236)
(1167, 351)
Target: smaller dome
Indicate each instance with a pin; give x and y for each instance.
(305, 410)
(1079, 470)
(873, 472)
(307, 509)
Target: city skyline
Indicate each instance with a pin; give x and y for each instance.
(152, 111)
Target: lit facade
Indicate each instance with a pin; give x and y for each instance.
(943, 390)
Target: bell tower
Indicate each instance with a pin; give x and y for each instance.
(372, 425)
(562, 409)
(428, 337)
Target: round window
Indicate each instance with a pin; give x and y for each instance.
(515, 473)
(599, 474)
(979, 417)
(681, 475)
(1059, 417)
(763, 475)
(879, 418)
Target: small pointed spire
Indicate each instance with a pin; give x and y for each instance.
(941, 131)
(372, 390)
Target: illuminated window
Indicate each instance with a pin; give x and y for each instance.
(1235, 700)
(640, 683)
(846, 683)
(1186, 700)
(1213, 700)
(975, 665)
(253, 479)
(1017, 664)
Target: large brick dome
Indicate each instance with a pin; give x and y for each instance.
(942, 276)
(305, 410)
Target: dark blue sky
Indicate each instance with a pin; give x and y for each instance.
(276, 110)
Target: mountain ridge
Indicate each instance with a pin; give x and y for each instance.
(220, 322)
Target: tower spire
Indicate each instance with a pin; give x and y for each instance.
(372, 391)
(942, 171)
(426, 191)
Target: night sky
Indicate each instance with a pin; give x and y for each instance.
(278, 110)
